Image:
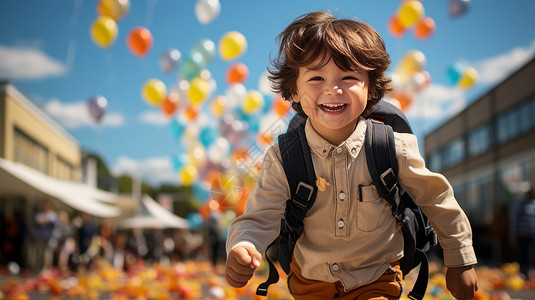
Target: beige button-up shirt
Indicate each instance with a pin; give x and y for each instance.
(349, 236)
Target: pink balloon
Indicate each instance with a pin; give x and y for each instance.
(97, 107)
(458, 8)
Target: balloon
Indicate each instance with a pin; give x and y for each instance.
(404, 98)
(413, 61)
(97, 107)
(208, 135)
(410, 12)
(104, 31)
(218, 150)
(188, 175)
(218, 105)
(115, 9)
(207, 10)
(253, 101)
(454, 72)
(237, 73)
(201, 191)
(177, 126)
(458, 8)
(139, 41)
(198, 91)
(169, 60)
(154, 92)
(191, 112)
(170, 104)
(264, 84)
(192, 66)
(424, 29)
(281, 106)
(179, 161)
(232, 45)
(197, 155)
(235, 93)
(394, 26)
(195, 220)
(468, 78)
(206, 48)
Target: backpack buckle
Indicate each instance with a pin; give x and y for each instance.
(302, 195)
(389, 179)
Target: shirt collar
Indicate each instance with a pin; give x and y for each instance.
(323, 148)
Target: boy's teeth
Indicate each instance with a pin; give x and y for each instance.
(333, 107)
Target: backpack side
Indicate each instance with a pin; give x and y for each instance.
(418, 236)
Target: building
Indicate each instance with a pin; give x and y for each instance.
(487, 152)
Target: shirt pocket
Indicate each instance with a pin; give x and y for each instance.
(370, 209)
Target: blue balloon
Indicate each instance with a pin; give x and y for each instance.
(192, 66)
(177, 127)
(201, 192)
(455, 72)
(208, 135)
(206, 48)
(195, 220)
(179, 161)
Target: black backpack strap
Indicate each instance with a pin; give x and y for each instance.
(299, 170)
(382, 163)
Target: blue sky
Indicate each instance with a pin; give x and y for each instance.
(46, 51)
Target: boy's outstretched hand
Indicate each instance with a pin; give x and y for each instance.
(242, 261)
(461, 282)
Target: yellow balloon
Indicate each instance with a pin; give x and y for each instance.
(188, 175)
(115, 9)
(410, 13)
(232, 45)
(468, 78)
(219, 105)
(104, 31)
(154, 92)
(412, 62)
(197, 155)
(252, 102)
(198, 90)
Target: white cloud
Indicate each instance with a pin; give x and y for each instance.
(22, 62)
(154, 170)
(494, 69)
(435, 102)
(154, 118)
(75, 115)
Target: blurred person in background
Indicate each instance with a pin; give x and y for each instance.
(523, 233)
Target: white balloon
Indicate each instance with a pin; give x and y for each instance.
(218, 150)
(207, 10)
(264, 85)
(235, 94)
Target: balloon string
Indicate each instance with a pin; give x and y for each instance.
(71, 47)
(150, 12)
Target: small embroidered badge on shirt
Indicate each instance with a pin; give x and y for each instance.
(322, 184)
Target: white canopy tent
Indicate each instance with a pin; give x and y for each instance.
(153, 215)
(19, 180)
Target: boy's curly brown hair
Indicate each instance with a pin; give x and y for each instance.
(352, 45)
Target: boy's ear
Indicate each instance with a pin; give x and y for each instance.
(295, 97)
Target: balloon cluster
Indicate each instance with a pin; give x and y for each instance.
(409, 78)
(411, 14)
(104, 29)
(461, 75)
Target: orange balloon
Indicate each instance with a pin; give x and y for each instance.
(404, 98)
(395, 27)
(139, 41)
(425, 28)
(281, 106)
(170, 104)
(237, 73)
(191, 112)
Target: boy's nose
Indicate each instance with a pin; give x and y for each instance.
(336, 90)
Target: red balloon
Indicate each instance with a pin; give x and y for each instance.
(237, 73)
(139, 41)
(170, 104)
(424, 28)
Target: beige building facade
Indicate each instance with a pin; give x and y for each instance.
(487, 152)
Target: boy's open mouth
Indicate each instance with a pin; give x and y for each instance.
(332, 107)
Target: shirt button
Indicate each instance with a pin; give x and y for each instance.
(338, 150)
(342, 195)
(341, 223)
(335, 267)
(353, 151)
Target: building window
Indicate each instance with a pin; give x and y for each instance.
(30, 152)
(479, 140)
(64, 170)
(453, 153)
(435, 161)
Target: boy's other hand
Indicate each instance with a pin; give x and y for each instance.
(461, 282)
(242, 261)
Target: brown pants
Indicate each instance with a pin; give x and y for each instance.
(388, 286)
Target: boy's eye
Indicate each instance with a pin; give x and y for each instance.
(315, 78)
(349, 78)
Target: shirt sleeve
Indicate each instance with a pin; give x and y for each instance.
(433, 193)
(260, 223)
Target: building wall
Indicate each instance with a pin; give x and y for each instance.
(487, 152)
(19, 114)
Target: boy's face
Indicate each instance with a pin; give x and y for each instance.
(332, 99)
